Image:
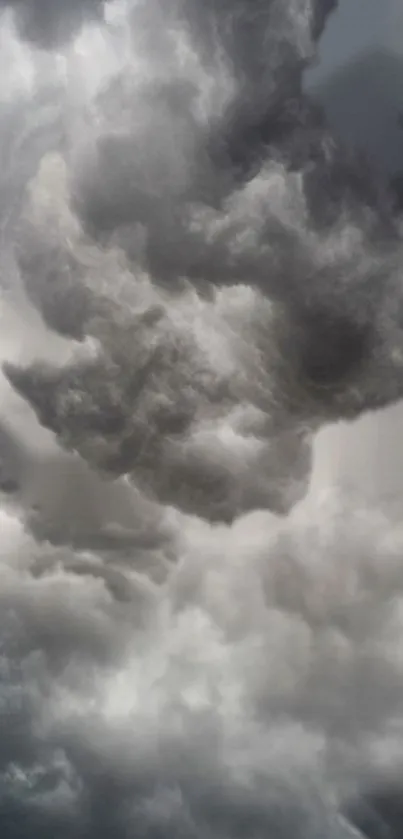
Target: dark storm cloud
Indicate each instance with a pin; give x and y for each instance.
(48, 23)
(226, 279)
(152, 399)
(156, 175)
(97, 738)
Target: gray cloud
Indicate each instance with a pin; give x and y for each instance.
(102, 737)
(154, 176)
(51, 22)
(187, 651)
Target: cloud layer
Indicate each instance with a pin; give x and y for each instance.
(195, 278)
(48, 23)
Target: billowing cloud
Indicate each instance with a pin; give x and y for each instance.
(195, 278)
(254, 691)
(250, 288)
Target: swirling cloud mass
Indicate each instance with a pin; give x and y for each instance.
(195, 277)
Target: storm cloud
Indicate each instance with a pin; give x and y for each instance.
(48, 23)
(195, 278)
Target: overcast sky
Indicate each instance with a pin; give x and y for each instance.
(176, 659)
(368, 453)
(359, 26)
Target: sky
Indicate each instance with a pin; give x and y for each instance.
(201, 541)
(358, 26)
(367, 454)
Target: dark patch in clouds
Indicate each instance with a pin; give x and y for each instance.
(48, 23)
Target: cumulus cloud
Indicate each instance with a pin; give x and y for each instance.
(253, 693)
(231, 301)
(195, 278)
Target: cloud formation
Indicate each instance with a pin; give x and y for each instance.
(48, 23)
(195, 278)
(256, 262)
